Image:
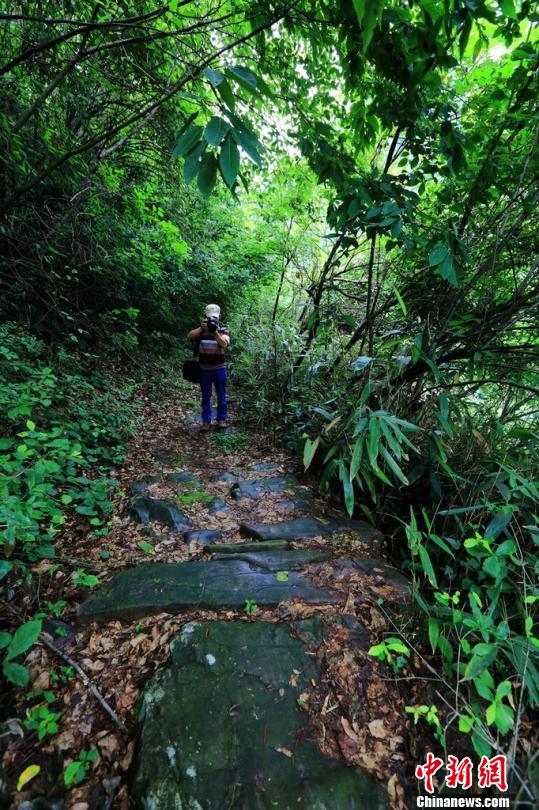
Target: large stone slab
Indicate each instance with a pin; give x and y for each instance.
(256, 487)
(228, 582)
(146, 510)
(241, 548)
(305, 527)
(277, 560)
(221, 728)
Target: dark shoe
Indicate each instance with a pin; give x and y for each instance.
(206, 427)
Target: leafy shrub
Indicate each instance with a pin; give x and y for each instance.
(60, 432)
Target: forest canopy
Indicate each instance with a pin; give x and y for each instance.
(357, 183)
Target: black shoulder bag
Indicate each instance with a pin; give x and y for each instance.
(191, 368)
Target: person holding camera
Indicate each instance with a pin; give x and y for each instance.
(213, 338)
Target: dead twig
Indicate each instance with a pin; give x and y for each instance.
(86, 681)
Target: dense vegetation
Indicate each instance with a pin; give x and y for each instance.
(357, 184)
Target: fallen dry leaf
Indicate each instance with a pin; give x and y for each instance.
(378, 730)
(348, 730)
(284, 751)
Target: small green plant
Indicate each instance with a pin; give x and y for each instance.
(21, 641)
(42, 720)
(86, 580)
(63, 675)
(250, 607)
(145, 546)
(77, 770)
(232, 442)
(53, 609)
(189, 498)
(391, 651)
(430, 715)
(281, 576)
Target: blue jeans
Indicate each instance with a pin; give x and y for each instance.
(215, 377)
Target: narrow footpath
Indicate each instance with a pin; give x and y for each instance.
(226, 645)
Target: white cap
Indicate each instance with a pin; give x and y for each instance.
(213, 310)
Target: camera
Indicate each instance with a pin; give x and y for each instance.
(213, 322)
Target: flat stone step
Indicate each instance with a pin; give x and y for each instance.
(235, 548)
(146, 510)
(276, 560)
(142, 486)
(303, 528)
(257, 487)
(185, 477)
(221, 728)
(204, 536)
(227, 582)
(218, 505)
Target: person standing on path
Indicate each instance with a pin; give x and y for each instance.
(213, 338)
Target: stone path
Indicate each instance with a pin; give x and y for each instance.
(223, 726)
(248, 747)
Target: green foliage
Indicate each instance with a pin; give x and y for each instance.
(15, 645)
(229, 443)
(484, 630)
(391, 651)
(42, 720)
(76, 771)
(430, 715)
(250, 607)
(80, 577)
(60, 432)
(198, 496)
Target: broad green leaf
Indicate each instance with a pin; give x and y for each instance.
(438, 253)
(5, 638)
(447, 271)
(187, 141)
(493, 567)
(192, 162)
(359, 6)
(215, 77)
(490, 715)
(466, 722)
(400, 299)
(16, 673)
(434, 632)
(229, 160)
(355, 462)
(394, 467)
(504, 717)
(24, 637)
(498, 523)
(243, 76)
(249, 145)
(215, 130)
(227, 96)
(207, 174)
(373, 440)
(426, 564)
(348, 488)
(508, 8)
(309, 450)
(5, 568)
